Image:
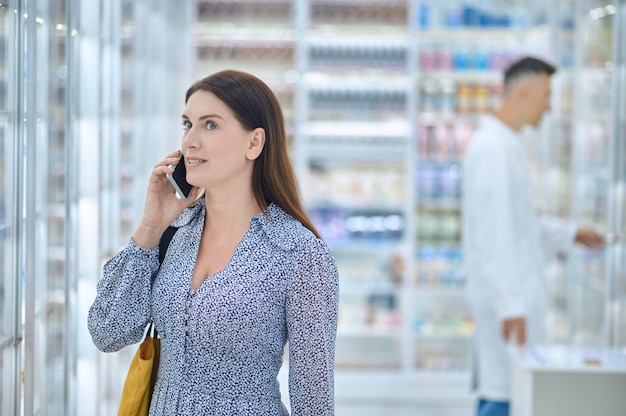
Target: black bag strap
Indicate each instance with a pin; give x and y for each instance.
(165, 242)
(163, 246)
(150, 330)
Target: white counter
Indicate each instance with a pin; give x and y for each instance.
(574, 381)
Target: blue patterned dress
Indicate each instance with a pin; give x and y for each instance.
(222, 344)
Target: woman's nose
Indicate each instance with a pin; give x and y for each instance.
(189, 138)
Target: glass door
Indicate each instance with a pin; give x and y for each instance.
(595, 186)
(617, 213)
(8, 173)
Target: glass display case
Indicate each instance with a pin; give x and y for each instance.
(8, 221)
(618, 199)
(598, 156)
(576, 162)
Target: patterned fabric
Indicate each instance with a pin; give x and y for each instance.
(222, 345)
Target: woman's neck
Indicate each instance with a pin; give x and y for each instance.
(231, 211)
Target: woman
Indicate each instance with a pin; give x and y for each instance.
(245, 273)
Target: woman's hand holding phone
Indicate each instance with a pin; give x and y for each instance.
(162, 205)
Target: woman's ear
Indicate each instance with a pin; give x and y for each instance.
(256, 143)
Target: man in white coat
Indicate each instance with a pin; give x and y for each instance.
(505, 240)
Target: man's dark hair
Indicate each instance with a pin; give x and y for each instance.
(527, 66)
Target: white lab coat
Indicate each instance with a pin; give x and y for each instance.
(505, 243)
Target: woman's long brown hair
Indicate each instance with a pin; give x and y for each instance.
(255, 105)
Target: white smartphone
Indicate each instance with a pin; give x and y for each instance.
(179, 179)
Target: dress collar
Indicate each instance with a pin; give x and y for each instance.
(279, 227)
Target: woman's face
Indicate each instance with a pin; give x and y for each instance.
(218, 150)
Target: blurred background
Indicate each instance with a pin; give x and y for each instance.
(380, 99)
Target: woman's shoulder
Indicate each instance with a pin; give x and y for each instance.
(285, 231)
(189, 214)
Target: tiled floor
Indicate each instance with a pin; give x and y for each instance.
(389, 394)
(399, 409)
(437, 406)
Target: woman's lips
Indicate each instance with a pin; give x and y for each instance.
(194, 161)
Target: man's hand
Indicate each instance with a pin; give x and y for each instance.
(589, 238)
(515, 325)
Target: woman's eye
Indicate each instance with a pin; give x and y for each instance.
(186, 125)
(210, 125)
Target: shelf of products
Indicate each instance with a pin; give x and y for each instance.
(357, 140)
(459, 79)
(459, 64)
(228, 35)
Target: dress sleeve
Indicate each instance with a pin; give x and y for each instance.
(121, 310)
(312, 307)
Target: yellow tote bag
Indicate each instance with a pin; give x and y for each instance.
(141, 377)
